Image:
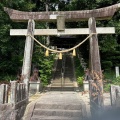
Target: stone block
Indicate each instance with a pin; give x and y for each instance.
(86, 85)
(34, 87)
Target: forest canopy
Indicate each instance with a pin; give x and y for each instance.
(12, 48)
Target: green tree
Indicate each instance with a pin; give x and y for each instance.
(11, 48)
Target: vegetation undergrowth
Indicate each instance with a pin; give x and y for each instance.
(109, 78)
(44, 63)
(46, 69)
(79, 71)
(7, 77)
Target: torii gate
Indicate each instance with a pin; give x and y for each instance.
(52, 16)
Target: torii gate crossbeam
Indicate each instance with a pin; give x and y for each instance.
(50, 16)
(75, 31)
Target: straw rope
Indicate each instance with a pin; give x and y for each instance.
(62, 51)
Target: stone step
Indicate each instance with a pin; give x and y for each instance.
(62, 88)
(63, 83)
(65, 74)
(59, 81)
(57, 112)
(58, 106)
(54, 118)
(68, 75)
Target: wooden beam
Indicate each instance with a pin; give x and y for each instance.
(101, 14)
(75, 31)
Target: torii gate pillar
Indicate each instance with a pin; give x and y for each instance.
(95, 64)
(26, 69)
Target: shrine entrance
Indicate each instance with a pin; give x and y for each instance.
(61, 17)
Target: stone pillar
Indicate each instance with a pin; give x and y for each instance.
(94, 48)
(117, 71)
(47, 26)
(96, 102)
(26, 69)
(13, 92)
(2, 95)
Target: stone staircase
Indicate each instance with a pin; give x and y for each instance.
(59, 106)
(61, 102)
(65, 81)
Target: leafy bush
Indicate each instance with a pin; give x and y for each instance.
(115, 81)
(107, 87)
(80, 80)
(46, 69)
(79, 72)
(7, 77)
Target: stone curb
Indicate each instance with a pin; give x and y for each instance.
(30, 108)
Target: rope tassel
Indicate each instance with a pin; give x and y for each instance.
(60, 56)
(47, 53)
(74, 52)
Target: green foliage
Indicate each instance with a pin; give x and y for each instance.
(107, 64)
(107, 87)
(109, 75)
(12, 48)
(109, 78)
(7, 77)
(80, 80)
(116, 81)
(79, 72)
(46, 64)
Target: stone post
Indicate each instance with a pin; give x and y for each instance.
(6, 93)
(13, 96)
(117, 71)
(26, 70)
(2, 93)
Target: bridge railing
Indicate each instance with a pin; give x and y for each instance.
(13, 101)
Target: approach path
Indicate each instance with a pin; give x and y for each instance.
(67, 99)
(57, 106)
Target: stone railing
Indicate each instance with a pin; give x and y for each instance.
(13, 101)
(115, 95)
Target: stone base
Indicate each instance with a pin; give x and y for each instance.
(86, 85)
(34, 87)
